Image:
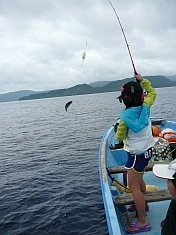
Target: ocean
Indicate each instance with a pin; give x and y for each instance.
(49, 179)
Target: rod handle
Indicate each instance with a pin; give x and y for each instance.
(135, 73)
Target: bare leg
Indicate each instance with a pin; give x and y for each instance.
(142, 185)
(136, 184)
(143, 188)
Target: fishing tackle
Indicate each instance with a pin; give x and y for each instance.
(84, 55)
(128, 47)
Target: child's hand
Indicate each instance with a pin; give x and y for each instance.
(138, 77)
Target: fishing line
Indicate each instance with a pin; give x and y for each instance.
(128, 47)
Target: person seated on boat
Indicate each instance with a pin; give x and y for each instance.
(135, 131)
(168, 171)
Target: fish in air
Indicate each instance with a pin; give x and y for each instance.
(67, 105)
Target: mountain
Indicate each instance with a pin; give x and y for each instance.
(95, 87)
(172, 77)
(76, 90)
(99, 83)
(157, 81)
(14, 96)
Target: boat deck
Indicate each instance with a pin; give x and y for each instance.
(157, 209)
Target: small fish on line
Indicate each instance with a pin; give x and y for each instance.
(67, 105)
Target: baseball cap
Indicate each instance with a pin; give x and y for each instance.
(166, 171)
(133, 88)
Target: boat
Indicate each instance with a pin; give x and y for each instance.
(113, 179)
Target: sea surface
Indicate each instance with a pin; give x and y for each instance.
(49, 179)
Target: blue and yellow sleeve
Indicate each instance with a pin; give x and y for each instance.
(151, 94)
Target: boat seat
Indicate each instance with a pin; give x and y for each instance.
(122, 169)
(150, 196)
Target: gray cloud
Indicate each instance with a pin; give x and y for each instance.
(42, 41)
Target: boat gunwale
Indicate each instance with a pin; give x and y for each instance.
(111, 216)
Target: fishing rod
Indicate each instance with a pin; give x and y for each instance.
(128, 47)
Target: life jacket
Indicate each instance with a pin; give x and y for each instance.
(156, 130)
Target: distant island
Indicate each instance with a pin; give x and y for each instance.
(157, 81)
(81, 89)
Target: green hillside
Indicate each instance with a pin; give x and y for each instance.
(157, 81)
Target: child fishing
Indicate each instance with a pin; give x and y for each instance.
(135, 131)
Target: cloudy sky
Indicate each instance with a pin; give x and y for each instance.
(42, 41)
